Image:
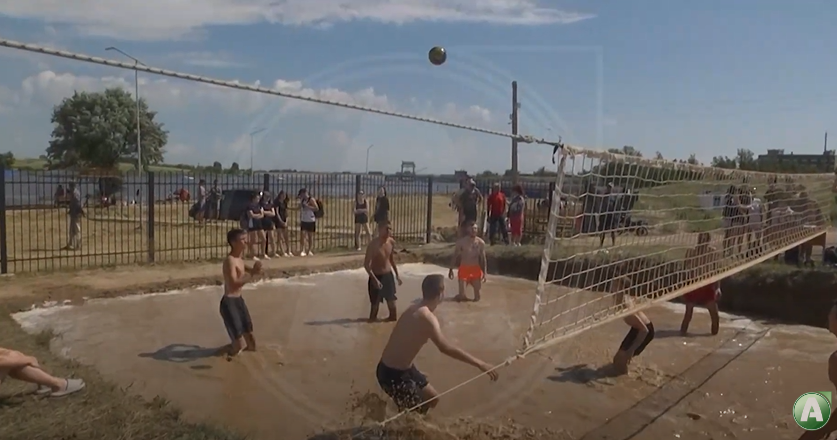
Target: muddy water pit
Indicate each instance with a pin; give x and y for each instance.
(317, 356)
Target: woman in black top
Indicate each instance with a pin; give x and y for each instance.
(280, 220)
(361, 218)
(381, 206)
(268, 226)
(251, 221)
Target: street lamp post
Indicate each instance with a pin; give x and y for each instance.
(367, 157)
(252, 143)
(139, 119)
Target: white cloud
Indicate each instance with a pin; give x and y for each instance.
(216, 60)
(160, 20)
(48, 87)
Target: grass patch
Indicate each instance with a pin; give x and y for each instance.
(102, 411)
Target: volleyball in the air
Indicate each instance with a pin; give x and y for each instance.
(437, 55)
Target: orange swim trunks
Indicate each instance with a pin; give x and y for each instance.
(470, 273)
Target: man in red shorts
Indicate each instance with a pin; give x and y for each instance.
(701, 261)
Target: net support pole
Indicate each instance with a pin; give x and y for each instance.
(552, 225)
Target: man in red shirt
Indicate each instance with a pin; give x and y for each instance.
(497, 214)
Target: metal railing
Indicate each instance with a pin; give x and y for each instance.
(132, 218)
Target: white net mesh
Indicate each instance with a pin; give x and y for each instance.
(618, 216)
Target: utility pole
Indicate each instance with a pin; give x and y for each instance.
(825, 144)
(513, 116)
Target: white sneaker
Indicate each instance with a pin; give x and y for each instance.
(265, 257)
(310, 254)
(255, 258)
(358, 249)
(303, 254)
(288, 254)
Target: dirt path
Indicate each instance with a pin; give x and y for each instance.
(22, 291)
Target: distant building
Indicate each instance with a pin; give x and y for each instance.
(823, 162)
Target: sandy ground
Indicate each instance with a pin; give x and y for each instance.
(317, 359)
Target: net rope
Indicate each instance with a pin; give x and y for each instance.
(547, 327)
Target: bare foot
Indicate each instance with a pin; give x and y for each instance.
(248, 348)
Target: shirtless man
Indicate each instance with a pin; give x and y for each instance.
(639, 336)
(831, 426)
(701, 261)
(469, 259)
(396, 373)
(233, 308)
(383, 273)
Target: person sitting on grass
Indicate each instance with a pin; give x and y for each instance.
(25, 368)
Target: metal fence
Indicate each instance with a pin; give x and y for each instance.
(144, 218)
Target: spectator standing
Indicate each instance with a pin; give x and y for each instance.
(381, 207)
(75, 212)
(516, 210)
(497, 214)
(308, 222)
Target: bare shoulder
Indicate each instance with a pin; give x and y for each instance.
(480, 241)
(832, 360)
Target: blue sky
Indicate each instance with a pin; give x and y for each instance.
(677, 77)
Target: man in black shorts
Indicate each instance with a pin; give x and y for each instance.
(383, 272)
(396, 373)
(233, 309)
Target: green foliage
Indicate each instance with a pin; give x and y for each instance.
(100, 130)
(7, 160)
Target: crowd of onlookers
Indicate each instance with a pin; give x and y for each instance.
(504, 217)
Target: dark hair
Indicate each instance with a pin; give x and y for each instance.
(432, 286)
(518, 188)
(234, 235)
(384, 189)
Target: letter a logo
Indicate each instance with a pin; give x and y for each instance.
(811, 411)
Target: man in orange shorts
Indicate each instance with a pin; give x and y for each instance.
(469, 259)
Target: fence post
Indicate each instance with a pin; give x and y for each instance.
(429, 220)
(358, 185)
(4, 250)
(266, 183)
(151, 202)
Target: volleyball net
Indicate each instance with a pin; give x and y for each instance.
(625, 232)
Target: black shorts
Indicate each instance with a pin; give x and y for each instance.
(308, 226)
(403, 386)
(279, 223)
(252, 224)
(387, 290)
(361, 219)
(236, 316)
(267, 224)
(630, 338)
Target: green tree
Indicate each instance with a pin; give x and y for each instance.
(7, 160)
(745, 159)
(234, 168)
(627, 150)
(724, 162)
(217, 167)
(487, 173)
(658, 156)
(100, 130)
(692, 159)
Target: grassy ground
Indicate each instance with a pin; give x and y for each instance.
(112, 236)
(35, 164)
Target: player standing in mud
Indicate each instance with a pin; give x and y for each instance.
(396, 373)
(642, 329)
(469, 259)
(233, 309)
(383, 273)
(701, 261)
(831, 425)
